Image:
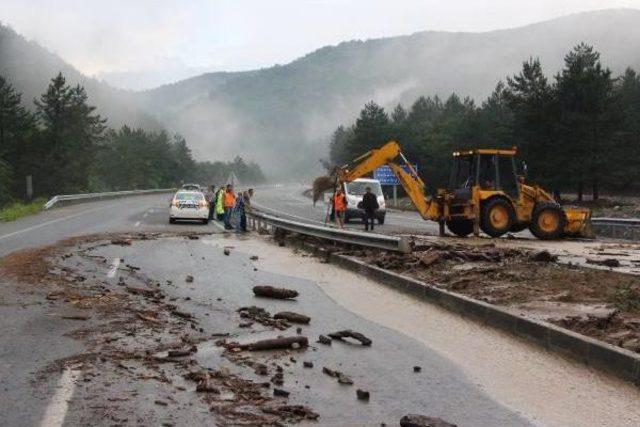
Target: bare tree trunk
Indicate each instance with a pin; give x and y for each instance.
(580, 191)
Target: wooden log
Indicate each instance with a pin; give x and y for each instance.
(276, 343)
(292, 317)
(272, 292)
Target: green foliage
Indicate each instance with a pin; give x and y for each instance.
(67, 148)
(581, 130)
(70, 132)
(17, 210)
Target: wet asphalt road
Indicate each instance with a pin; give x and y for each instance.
(31, 339)
(385, 368)
(288, 201)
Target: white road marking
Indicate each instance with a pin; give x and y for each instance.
(44, 224)
(220, 226)
(57, 409)
(137, 224)
(114, 268)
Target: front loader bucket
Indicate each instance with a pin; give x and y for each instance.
(579, 223)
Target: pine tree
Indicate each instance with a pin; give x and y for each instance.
(587, 117)
(16, 130)
(69, 138)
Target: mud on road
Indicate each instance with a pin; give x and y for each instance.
(601, 303)
(173, 335)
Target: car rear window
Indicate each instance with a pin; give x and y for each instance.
(189, 197)
(358, 188)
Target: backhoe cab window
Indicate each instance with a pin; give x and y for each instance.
(463, 174)
(487, 176)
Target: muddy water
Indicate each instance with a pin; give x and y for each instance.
(541, 386)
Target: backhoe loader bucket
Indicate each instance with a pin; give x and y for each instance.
(579, 223)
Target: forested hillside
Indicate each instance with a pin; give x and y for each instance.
(29, 67)
(283, 114)
(579, 131)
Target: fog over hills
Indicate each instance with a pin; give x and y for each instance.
(282, 116)
(29, 67)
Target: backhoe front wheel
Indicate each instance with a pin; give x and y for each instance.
(497, 217)
(460, 227)
(548, 221)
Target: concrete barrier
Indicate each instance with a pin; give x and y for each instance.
(617, 361)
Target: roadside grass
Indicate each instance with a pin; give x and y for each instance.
(16, 210)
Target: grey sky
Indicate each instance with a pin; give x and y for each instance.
(142, 43)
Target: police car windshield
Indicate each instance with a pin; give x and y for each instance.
(189, 196)
(358, 188)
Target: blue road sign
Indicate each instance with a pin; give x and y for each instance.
(385, 175)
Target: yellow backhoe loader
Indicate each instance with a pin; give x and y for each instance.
(484, 193)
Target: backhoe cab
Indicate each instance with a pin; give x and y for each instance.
(485, 193)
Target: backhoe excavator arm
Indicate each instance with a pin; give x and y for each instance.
(410, 181)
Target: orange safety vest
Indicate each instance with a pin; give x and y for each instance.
(340, 203)
(229, 199)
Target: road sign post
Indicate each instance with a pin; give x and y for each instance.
(385, 175)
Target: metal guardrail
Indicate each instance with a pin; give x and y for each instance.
(617, 228)
(633, 222)
(393, 243)
(97, 196)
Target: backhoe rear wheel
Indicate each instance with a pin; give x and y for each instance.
(497, 217)
(548, 220)
(460, 227)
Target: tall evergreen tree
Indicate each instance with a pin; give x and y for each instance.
(587, 117)
(531, 100)
(70, 132)
(16, 130)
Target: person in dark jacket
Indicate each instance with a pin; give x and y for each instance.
(369, 206)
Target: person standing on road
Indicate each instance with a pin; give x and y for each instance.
(239, 210)
(211, 199)
(370, 206)
(340, 206)
(229, 202)
(220, 204)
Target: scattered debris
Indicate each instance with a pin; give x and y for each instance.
(280, 393)
(342, 378)
(417, 369)
(227, 251)
(182, 352)
(121, 242)
(362, 394)
(262, 316)
(271, 292)
(543, 256)
(292, 317)
(414, 420)
(274, 343)
(189, 278)
(206, 385)
(160, 402)
(340, 335)
(253, 257)
(292, 412)
(75, 317)
(608, 262)
(307, 364)
(322, 339)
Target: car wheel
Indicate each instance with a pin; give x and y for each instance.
(205, 221)
(172, 221)
(381, 220)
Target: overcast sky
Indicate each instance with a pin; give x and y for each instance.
(142, 43)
